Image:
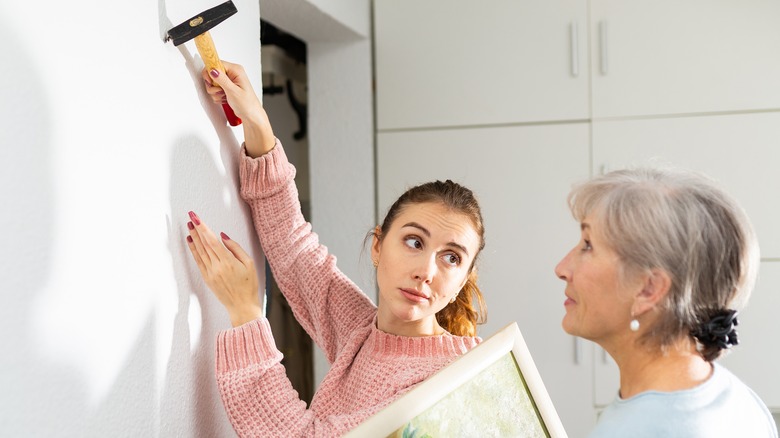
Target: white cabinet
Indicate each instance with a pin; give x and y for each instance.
(741, 151)
(694, 56)
(521, 176)
(758, 338)
(467, 63)
(443, 63)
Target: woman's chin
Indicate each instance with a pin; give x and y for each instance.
(568, 327)
(406, 315)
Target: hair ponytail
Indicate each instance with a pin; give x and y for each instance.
(461, 317)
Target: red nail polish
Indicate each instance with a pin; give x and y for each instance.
(224, 236)
(189, 239)
(195, 218)
(214, 73)
(190, 226)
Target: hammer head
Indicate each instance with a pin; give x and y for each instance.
(201, 23)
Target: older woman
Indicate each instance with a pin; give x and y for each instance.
(665, 261)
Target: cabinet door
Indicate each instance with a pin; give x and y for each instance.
(756, 357)
(521, 176)
(672, 57)
(741, 151)
(459, 62)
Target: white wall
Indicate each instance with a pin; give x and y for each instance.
(107, 142)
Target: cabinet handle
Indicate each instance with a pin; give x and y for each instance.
(575, 49)
(603, 40)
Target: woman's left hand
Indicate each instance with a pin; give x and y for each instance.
(227, 270)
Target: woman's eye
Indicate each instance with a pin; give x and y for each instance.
(586, 245)
(452, 259)
(413, 242)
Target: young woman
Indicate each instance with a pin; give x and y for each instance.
(665, 261)
(424, 253)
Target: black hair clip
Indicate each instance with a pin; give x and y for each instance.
(719, 330)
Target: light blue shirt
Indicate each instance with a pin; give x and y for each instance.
(723, 406)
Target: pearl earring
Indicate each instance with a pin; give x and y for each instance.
(634, 325)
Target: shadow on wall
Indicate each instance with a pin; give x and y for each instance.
(190, 394)
(189, 402)
(41, 396)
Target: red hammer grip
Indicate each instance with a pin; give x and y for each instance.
(232, 118)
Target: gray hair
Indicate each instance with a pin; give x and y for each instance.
(682, 223)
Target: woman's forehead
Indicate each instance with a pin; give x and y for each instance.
(438, 220)
(434, 212)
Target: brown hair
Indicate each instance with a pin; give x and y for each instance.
(682, 223)
(461, 317)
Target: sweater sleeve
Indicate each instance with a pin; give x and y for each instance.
(258, 397)
(324, 301)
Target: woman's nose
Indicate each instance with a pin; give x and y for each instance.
(562, 270)
(425, 269)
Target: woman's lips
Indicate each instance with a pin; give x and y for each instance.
(414, 296)
(569, 301)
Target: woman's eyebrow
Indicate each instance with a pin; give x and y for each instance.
(428, 234)
(419, 227)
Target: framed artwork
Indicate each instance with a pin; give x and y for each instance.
(493, 390)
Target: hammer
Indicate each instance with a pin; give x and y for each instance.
(198, 28)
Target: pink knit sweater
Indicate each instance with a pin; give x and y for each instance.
(369, 368)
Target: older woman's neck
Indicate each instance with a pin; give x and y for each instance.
(650, 368)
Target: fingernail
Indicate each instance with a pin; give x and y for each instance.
(214, 73)
(224, 236)
(189, 239)
(190, 226)
(195, 218)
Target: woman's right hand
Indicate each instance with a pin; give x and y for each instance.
(227, 270)
(235, 88)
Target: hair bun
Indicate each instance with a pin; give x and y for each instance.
(719, 331)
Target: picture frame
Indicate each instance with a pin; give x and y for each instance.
(493, 390)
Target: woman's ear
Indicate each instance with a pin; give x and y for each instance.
(655, 287)
(376, 244)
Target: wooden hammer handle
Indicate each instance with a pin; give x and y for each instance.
(208, 52)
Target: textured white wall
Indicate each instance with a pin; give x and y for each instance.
(107, 141)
